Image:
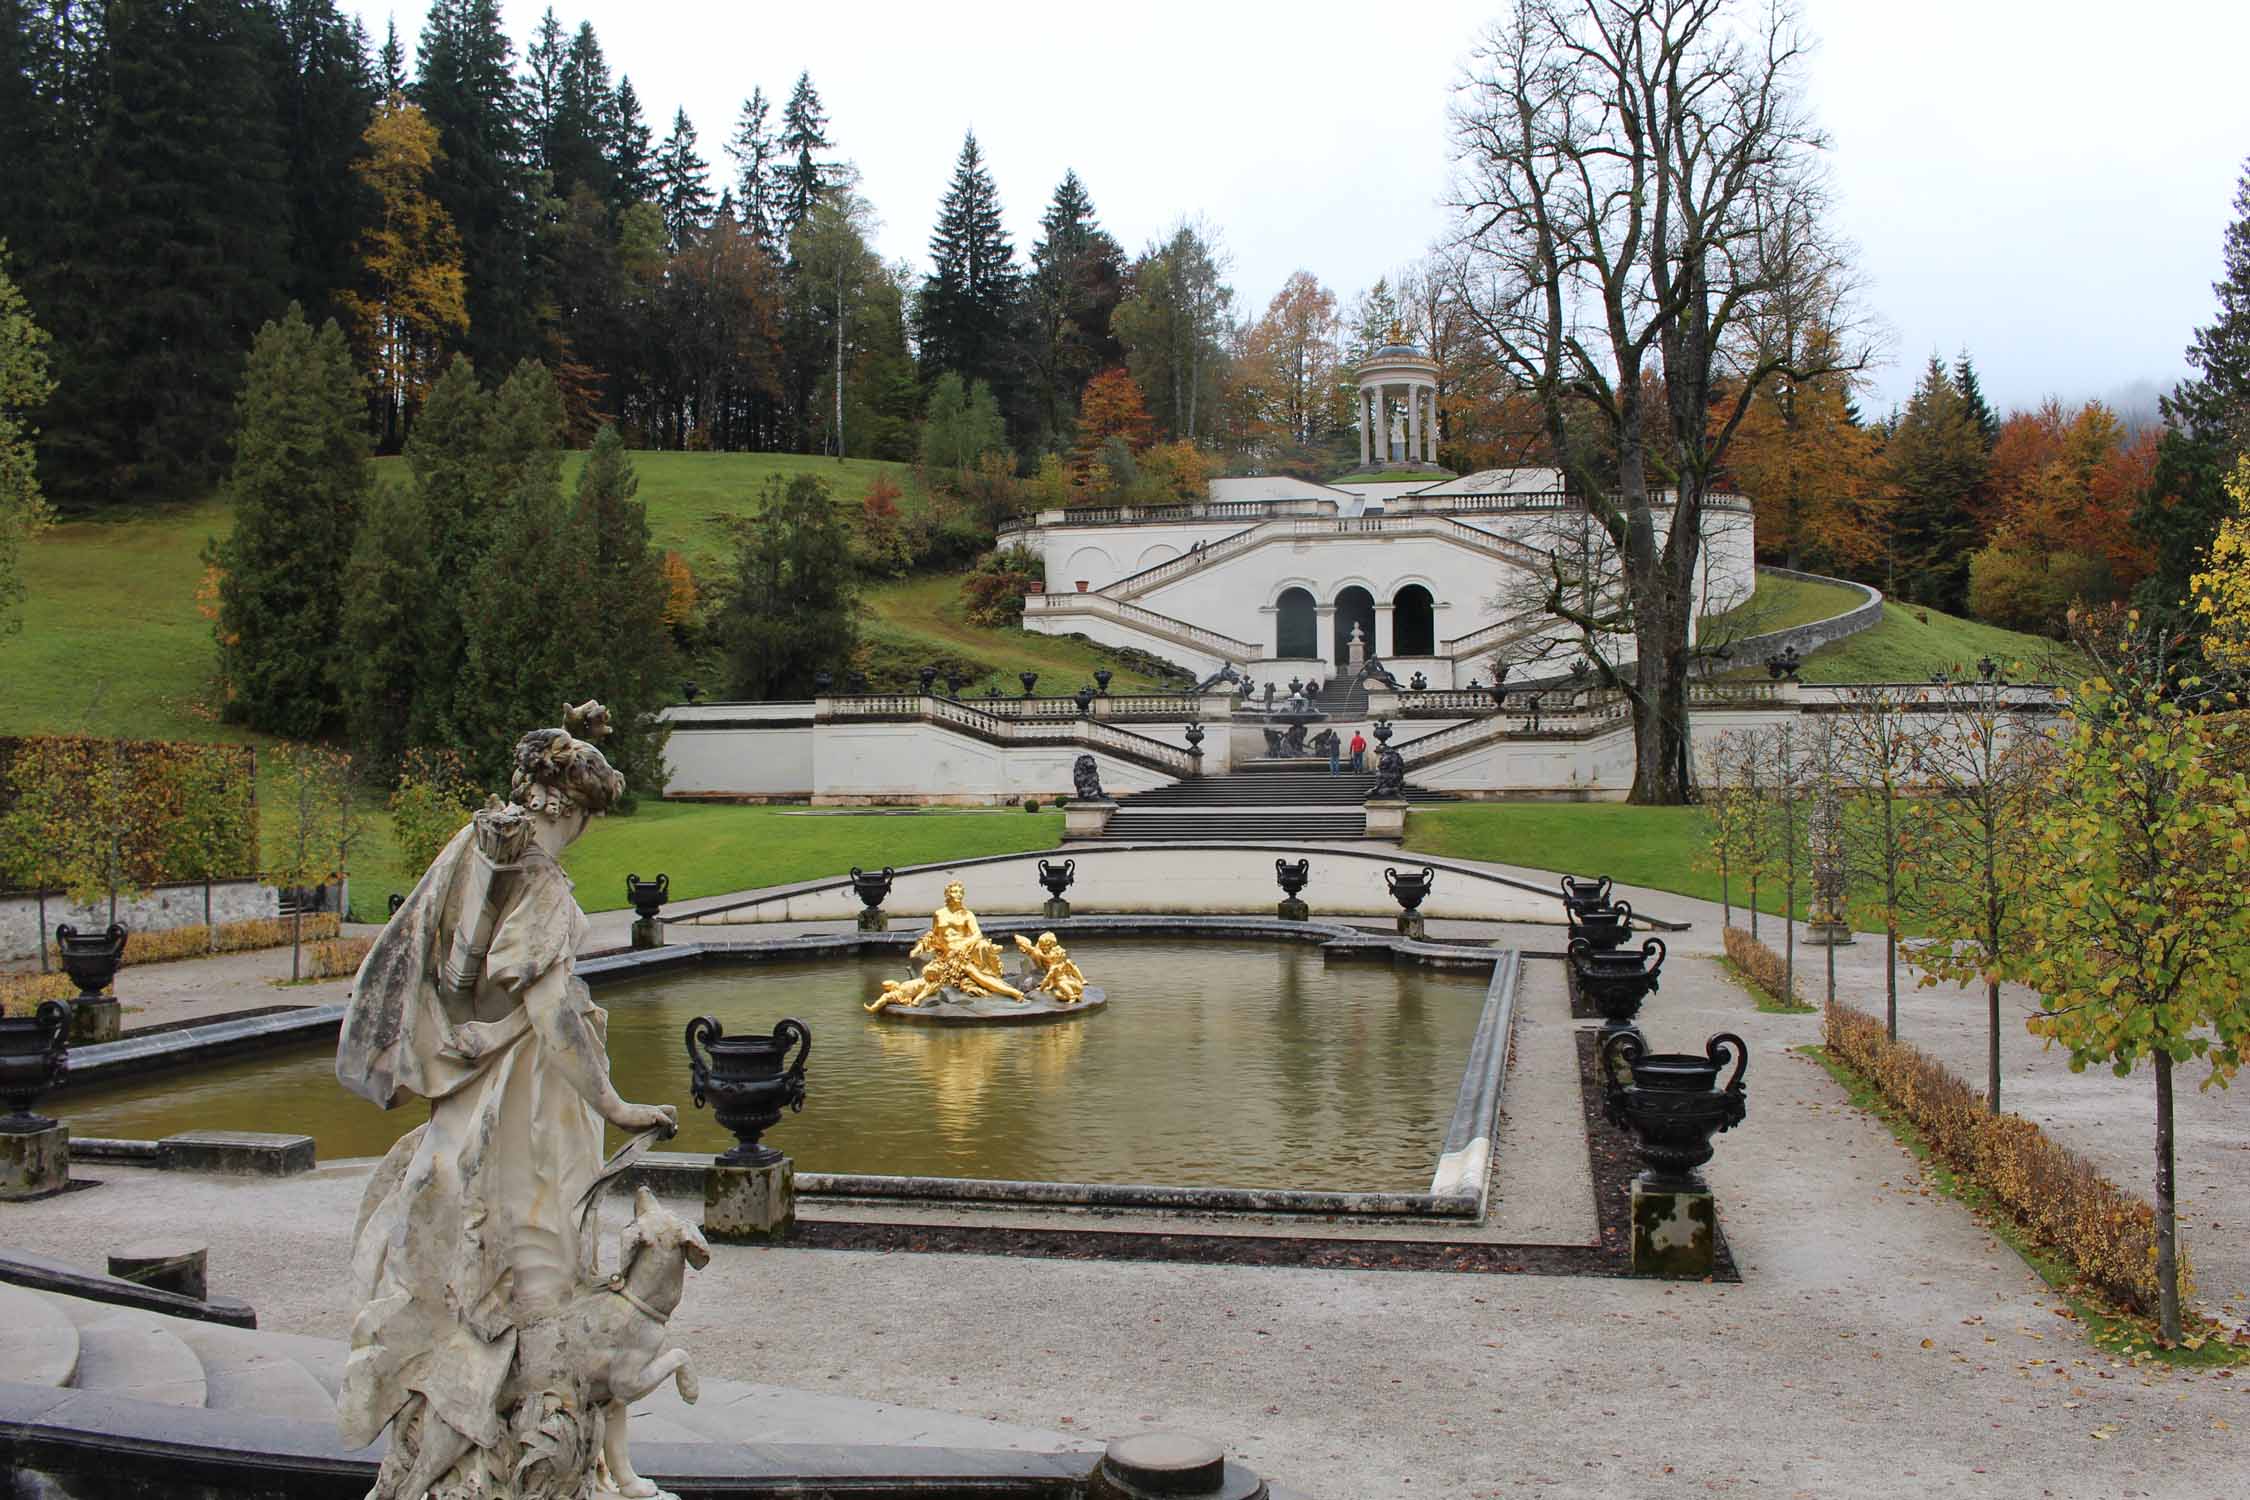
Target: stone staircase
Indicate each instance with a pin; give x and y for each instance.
(1291, 800)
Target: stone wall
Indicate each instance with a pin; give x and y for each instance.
(166, 906)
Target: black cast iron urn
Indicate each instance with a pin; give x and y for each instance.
(1615, 984)
(1673, 1103)
(926, 676)
(1194, 737)
(743, 1079)
(1057, 878)
(1603, 927)
(1085, 699)
(91, 958)
(1028, 679)
(1293, 877)
(1581, 896)
(1410, 889)
(872, 887)
(647, 896)
(1101, 679)
(34, 1056)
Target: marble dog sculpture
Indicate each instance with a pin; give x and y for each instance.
(606, 1346)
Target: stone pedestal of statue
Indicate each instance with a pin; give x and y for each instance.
(1386, 818)
(1410, 925)
(1823, 933)
(874, 919)
(1056, 909)
(648, 932)
(1672, 1232)
(1292, 909)
(34, 1163)
(100, 1020)
(1086, 818)
(754, 1205)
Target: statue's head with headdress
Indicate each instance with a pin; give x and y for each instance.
(557, 773)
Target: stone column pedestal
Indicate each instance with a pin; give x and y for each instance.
(750, 1205)
(179, 1266)
(1410, 925)
(648, 932)
(1386, 818)
(874, 919)
(1292, 909)
(34, 1163)
(1820, 934)
(1672, 1232)
(100, 1020)
(1087, 819)
(1056, 909)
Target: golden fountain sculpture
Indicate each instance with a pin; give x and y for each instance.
(960, 959)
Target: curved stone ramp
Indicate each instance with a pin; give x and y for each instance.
(134, 1396)
(1171, 878)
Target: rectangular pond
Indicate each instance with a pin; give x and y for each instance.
(1215, 1064)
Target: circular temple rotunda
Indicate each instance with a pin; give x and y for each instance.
(1398, 378)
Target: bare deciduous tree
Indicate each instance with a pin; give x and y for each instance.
(1639, 181)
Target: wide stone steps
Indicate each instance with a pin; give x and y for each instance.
(1236, 826)
(137, 1355)
(38, 1341)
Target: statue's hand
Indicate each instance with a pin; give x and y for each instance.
(639, 1117)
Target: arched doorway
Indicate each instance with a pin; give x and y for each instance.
(1296, 631)
(1355, 608)
(1413, 622)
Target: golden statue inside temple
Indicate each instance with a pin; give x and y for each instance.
(961, 965)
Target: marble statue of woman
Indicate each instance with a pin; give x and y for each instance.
(473, 1226)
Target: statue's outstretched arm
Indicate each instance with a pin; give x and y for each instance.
(579, 1055)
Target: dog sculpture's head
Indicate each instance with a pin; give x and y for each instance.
(655, 1227)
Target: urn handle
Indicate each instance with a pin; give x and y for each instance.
(707, 1030)
(783, 1031)
(1652, 955)
(1717, 1050)
(1622, 913)
(1618, 1053)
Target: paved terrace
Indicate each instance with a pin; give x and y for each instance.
(1879, 1342)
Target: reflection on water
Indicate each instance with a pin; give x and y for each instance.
(1215, 1064)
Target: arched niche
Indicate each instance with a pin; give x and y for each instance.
(1413, 622)
(1355, 608)
(1296, 627)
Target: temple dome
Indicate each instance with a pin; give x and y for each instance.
(1398, 351)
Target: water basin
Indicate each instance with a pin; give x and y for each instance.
(1216, 1064)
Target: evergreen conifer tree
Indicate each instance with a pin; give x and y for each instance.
(327, 95)
(804, 130)
(2207, 425)
(299, 486)
(390, 63)
(683, 188)
(579, 136)
(1972, 397)
(754, 150)
(388, 587)
(620, 649)
(968, 300)
(24, 387)
(1936, 459)
(468, 90)
(445, 453)
(790, 611)
(173, 260)
(631, 154)
(1077, 280)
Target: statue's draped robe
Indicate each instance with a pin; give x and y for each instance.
(471, 1226)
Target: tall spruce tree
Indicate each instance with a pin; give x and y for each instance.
(804, 131)
(445, 454)
(620, 647)
(299, 487)
(1972, 397)
(1077, 280)
(2207, 425)
(579, 137)
(965, 314)
(390, 63)
(631, 152)
(1936, 459)
(389, 585)
(755, 150)
(326, 91)
(790, 612)
(173, 259)
(683, 185)
(467, 87)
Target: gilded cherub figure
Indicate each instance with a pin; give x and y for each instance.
(1059, 976)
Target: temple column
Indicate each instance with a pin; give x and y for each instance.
(1366, 433)
(1430, 438)
(1413, 422)
(1384, 640)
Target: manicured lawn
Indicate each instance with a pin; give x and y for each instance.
(922, 618)
(1906, 648)
(1781, 603)
(691, 497)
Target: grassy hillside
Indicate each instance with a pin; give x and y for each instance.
(1783, 603)
(918, 620)
(1911, 643)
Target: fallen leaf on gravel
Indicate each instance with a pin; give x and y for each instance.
(1929, 1343)
(2104, 1432)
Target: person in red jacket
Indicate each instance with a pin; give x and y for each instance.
(1359, 751)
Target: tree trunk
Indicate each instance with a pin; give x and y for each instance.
(1753, 908)
(1992, 1046)
(41, 938)
(1831, 967)
(296, 926)
(1890, 980)
(2167, 1222)
(210, 933)
(1726, 903)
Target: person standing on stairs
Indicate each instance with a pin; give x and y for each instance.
(1359, 751)
(1335, 755)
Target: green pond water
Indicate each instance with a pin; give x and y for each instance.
(1214, 1065)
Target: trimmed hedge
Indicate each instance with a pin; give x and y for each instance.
(1764, 966)
(336, 958)
(2057, 1196)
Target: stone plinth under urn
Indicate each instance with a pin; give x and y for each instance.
(91, 960)
(1673, 1103)
(34, 1055)
(750, 1193)
(647, 898)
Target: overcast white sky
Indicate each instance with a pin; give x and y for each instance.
(2042, 181)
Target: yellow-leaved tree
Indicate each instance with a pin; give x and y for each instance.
(2221, 592)
(410, 295)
